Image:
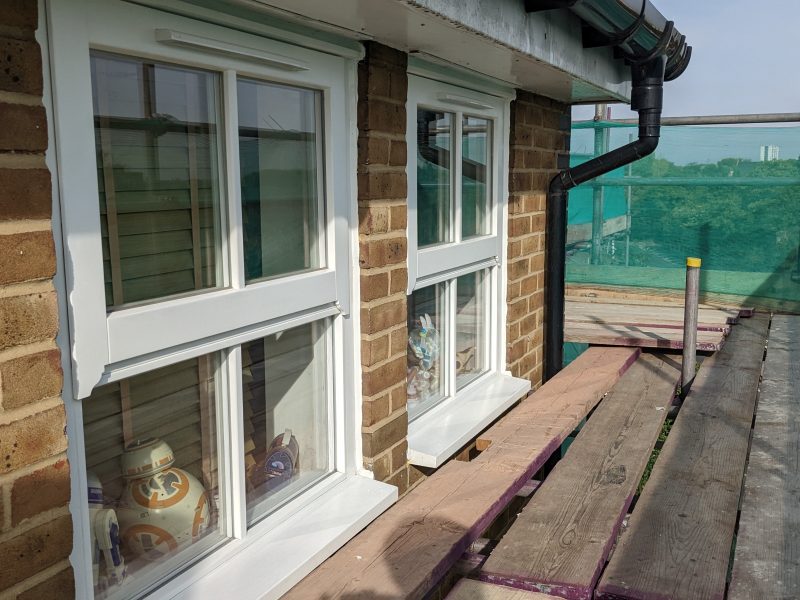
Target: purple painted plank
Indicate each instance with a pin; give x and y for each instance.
(584, 499)
(483, 522)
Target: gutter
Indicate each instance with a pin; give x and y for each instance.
(656, 52)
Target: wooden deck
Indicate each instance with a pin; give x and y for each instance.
(767, 560)
(657, 324)
(562, 539)
(412, 546)
(680, 540)
(586, 532)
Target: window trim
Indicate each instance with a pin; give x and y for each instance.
(62, 31)
(446, 89)
(97, 350)
(428, 260)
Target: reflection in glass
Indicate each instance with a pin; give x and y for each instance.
(427, 350)
(280, 157)
(434, 177)
(471, 326)
(285, 416)
(151, 456)
(156, 132)
(476, 142)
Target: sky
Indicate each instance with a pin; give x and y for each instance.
(745, 58)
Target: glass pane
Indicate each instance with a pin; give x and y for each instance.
(434, 175)
(476, 144)
(151, 455)
(285, 415)
(158, 166)
(426, 348)
(280, 156)
(471, 326)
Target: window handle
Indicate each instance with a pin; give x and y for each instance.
(195, 42)
(463, 101)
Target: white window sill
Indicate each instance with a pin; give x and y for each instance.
(442, 431)
(268, 567)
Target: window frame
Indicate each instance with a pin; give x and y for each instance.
(93, 336)
(431, 263)
(441, 429)
(177, 321)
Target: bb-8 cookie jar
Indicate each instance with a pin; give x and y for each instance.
(162, 507)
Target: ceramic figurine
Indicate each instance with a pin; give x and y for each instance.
(279, 464)
(106, 532)
(105, 539)
(423, 342)
(162, 507)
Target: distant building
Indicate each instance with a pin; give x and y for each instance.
(770, 152)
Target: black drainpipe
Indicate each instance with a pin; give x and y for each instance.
(647, 99)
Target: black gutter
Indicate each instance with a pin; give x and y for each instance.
(635, 28)
(647, 99)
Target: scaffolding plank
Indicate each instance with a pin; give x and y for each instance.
(671, 317)
(561, 540)
(768, 544)
(469, 589)
(409, 548)
(658, 297)
(678, 540)
(639, 336)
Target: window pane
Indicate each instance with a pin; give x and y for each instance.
(426, 348)
(434, 175)
(156, 133)
(471, 326)
(476, 143)
(151, 455)
(280, 156)
(285, 415)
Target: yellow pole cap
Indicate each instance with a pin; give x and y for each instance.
(693, 262)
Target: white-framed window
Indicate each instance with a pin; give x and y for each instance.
(205, 184)
(457, 169)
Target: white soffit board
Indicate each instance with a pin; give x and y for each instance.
(540, 52)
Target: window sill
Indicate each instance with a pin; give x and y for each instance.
(269, 566)
(441, 432)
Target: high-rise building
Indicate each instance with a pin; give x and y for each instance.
(769, 152)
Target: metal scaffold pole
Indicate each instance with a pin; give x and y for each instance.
(690, 311)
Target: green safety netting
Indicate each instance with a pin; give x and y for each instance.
(727, 194)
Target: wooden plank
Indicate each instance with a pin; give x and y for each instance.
(469, 589)
(749, 336)
(636, 298)
(768, 543)
(561, 540)
(678, 541)
(409, 548)
(638, 314)
(746, 304)
(644, 337)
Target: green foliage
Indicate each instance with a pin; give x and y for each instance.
(648, 470)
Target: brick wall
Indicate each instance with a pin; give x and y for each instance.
(35, 525)
(382, 214)
(539, 133)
